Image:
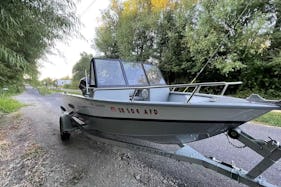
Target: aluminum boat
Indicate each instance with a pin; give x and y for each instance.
(132, 99)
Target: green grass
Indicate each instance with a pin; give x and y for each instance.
(271, 118)
(45, 91)
(8, 105)
(75, 92)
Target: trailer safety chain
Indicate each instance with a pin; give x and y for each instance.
(236, 146)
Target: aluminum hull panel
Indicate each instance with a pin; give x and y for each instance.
(164, 111)
(162, 131)
(161, 122)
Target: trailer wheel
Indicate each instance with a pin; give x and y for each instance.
(233, 134)
(64, 135)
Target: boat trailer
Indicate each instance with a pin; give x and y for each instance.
(269, 150)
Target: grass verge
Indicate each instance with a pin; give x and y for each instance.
(45, 91)
(78, 92)
(271, 118)
(8, 105)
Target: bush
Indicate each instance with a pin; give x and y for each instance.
(12, 90)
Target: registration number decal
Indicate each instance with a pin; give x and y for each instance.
(146, 111)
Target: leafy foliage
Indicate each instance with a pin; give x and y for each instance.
(242, 39)
(79, 68)
(28, 28)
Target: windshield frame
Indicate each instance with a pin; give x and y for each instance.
(96, 80)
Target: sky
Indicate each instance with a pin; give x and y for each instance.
(60, 64)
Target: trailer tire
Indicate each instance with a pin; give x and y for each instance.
(64, 135)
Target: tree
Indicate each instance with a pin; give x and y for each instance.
(235, 39)
(47, 82)
(28, 29)
(240, 38)
(78, 70)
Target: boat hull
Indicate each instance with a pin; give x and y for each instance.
(159, 122)
(160, 131)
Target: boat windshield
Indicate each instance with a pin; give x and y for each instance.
(135, 74)
(121, 73)
(153, 74)
(109, 73)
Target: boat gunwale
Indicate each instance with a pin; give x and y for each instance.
(259, 106)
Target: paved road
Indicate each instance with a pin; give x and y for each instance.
(105, 165)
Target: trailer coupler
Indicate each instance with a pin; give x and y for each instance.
(269, 150)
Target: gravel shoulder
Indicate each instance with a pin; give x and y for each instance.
(31, 154)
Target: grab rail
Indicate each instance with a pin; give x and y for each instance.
(197, 87)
